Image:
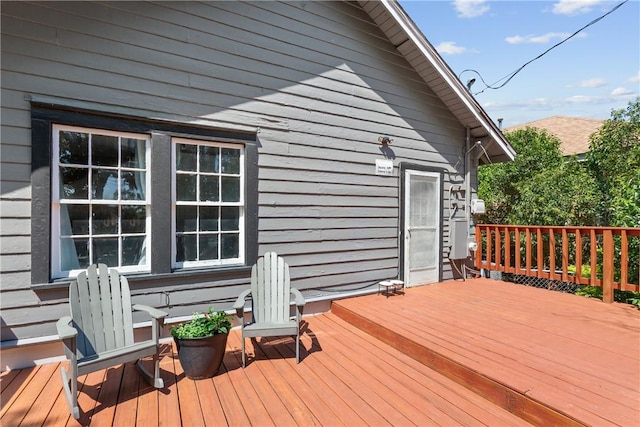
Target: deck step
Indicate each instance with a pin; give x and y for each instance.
(502, 395)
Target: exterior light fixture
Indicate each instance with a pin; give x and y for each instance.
(385, 140)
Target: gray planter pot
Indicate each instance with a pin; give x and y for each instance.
(201, 357)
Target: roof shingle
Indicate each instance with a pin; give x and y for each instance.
(573, 132)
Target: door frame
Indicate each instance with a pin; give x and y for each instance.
(403, 167)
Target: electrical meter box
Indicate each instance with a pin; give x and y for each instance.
(477, 206)
(458, 239)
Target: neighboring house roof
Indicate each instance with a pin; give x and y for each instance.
(573, 132)
(414, 46)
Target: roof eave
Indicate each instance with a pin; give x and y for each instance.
(482, 124)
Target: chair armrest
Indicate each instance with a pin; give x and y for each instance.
(69, 336)
(153, 312)
(157, 315)
(300, 302)
(65, 330)
(239, 304)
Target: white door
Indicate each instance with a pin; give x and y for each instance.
(422, 227)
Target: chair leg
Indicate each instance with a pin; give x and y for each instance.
(152, 379)
(243, 362)
(70, 388)
(298, 347)
(157, 380)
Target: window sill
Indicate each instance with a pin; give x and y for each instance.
(193, 274)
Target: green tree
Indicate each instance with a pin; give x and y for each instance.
(540, 187)
(614, 160)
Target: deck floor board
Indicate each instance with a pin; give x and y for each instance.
(579, 356)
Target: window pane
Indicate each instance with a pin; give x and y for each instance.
(104, 184)
(186, 156)
(209, 159)
(209, 218)
(230, 161)
(230, 189)
(133, 153)
(102, 215)
(230, 245)
(209, 176)
(106, 251)
(186, 218)
(132, 185)
(185, 187)
(74, 219)
(134, 250)
(230, 218)
(208, 246)
(105, 220)
(74, 253)
(74, 183)
(186, 249)
(74, 148)
(104, 150)
(134, 219)
(209, 188)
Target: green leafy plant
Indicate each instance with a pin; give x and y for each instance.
(590, 291)
(203, 325)
(628, 297)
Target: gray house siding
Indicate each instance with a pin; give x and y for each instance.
(316, 82)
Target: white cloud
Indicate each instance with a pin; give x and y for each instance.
(574, 7)
(470, 8)
(582, 99)
(450, 48)
(592, 83)
(544, 38)
(635, 79)
(556, 104)
(621, 91)
(526, 104)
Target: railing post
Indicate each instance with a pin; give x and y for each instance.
(517, 249)
(552, 254)
(507, 249)
(607, 266)
(540, 253)
(565, 255)
(624, 259)
(594, 257)
(479, 250)
(528, 251)
(578, 256)
(498, 248)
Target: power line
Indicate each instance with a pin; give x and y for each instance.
(513, 73)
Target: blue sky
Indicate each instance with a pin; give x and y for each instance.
(587, 76)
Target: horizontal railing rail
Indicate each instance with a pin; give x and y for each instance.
(596, 256)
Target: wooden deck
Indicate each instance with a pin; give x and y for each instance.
(536, 353)
(551, 358)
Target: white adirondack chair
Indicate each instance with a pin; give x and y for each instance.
(271, 294)
(99, 332)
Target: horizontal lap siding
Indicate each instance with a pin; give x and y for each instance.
(318, 79)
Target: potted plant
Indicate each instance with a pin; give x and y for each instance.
(201, 343)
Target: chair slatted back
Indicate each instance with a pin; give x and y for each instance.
(270, 288)
(101, 310)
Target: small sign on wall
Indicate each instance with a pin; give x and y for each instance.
(384, 167)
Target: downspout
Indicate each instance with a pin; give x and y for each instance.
(467, 177)
(467, 193)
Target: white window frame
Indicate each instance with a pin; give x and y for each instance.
(57, 202)
(241, 204)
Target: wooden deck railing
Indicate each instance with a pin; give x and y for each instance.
(596, 256)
